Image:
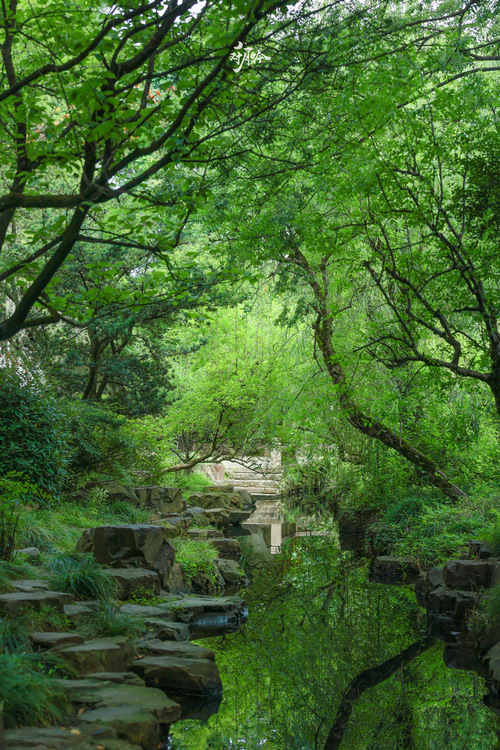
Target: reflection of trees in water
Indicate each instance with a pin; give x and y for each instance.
(313, 661)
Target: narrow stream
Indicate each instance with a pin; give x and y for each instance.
(315, 624)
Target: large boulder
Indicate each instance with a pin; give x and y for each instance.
(50, 738)
(468, 574)
(228, 549)
(248, 501)
(46, 640)
(237, 517)
(219, 488)
(216, 500)
(115, 490)
(203, 533)
(457, 604)
(232, 573)
(131, 580)
(207, 583)
(162, 499)
(144, 545)
(178, 582)
(218, 517)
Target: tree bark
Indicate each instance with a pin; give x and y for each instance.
(367, 425)
(374, 428)
(367, 679)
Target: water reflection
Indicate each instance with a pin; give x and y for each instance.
(316, 623)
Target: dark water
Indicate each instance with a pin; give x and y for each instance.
(315, 623)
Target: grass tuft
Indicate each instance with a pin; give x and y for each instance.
(81, 576)
(12, 571)
(28, 696)
(109, 621)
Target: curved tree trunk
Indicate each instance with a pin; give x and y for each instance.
(367, 679)
(374, 428)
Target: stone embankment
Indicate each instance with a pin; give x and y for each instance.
(454, 597)
(127, 692)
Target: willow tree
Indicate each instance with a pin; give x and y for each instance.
(322, 208)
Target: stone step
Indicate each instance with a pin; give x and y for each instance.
(254, 475)
(94, 694)
(20, 601)
(260, 484)
(48, 640)
(262, 496)
(174, 648)
(99, 655)
(252, 491)
(177, 675)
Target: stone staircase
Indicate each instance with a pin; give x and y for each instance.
(261, 482)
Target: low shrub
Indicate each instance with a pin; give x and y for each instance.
(33, 432)
(442, 532)
(196, 556)
(81, 576)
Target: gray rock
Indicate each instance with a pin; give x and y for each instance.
(228, 488)
(174, 648)
(248, 501)
(54, 640)
(168, 631)
(189, 607)
(180, 676)
(218, 517)
(480, 549)
(30, 585)
(130, 580)
(231, 571)
(449, 601)
(150, 699)
(130, 723)
(47, 738)
(207, 583)
(236, 517)
(14, 604)
(146, 611)
(99, 655)
(161, 499)
(79, 610)
(118, 678)
(146, 545)
(177, 582)
(467, 574)
(32, 553)
(178, 522)
(492, 661)
(461, 657)
(203, 534)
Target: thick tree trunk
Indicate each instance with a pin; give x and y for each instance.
(373, 428)
(367, 679)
